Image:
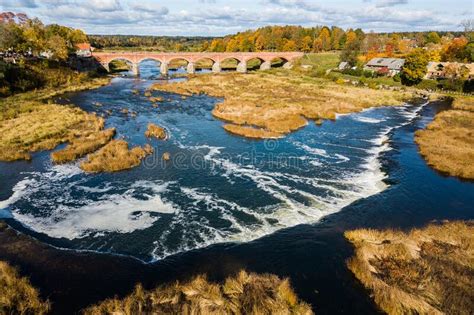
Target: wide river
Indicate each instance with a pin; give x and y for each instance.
(220, 188)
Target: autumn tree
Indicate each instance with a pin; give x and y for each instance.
(306, 44)
(456, 50)
(414, 68)
(325, 38)
(290, 45)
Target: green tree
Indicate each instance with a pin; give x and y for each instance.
(433, 37)
(58, 46)
(414, 68)
(351, 52)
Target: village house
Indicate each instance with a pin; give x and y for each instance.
(388, 66)
(442, 70)
(83, 50)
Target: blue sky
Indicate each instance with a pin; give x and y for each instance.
(221, 17)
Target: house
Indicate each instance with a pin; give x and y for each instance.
(441, 70)
(83, 50)
(389, 66)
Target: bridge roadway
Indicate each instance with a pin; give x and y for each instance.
(191, 58)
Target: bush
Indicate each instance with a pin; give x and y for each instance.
(452, 85)
(468, 86)
(397, 78)
(427, 85)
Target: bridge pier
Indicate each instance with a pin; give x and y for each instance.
(105, 66)
(266, 65)
(216, 67)
(135, 69)
(164, 68)
(191, 69)
(242, 67)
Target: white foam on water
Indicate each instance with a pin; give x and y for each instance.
(368, 120)
(125, 212)
(121, 213)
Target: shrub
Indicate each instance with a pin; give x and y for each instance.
(246, 293)
(427, 85)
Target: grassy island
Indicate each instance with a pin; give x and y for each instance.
(447, 143)
(274, 103)
(425, 271)
(115, 156)
(246, 293)
(18, 296)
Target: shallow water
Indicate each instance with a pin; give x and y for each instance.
(217, 188)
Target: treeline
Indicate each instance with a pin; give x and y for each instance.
(22, 41)
(32, 37)
(354, 43)
(160, 43)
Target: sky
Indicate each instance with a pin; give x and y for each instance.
(222, 17)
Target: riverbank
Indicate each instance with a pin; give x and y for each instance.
(274, 103)
(30, 122)
(447, 143)
(424, 271)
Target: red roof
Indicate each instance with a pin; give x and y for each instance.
(83, 46)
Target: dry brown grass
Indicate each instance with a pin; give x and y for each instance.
(82, 145)
(43, 128)
(276, 103)
(29, 125)
(425, 271)
(17, 296)
(447, 143)
(156, 132)
(246, 293)
(115, 156)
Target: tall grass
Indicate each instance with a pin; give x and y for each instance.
(115, 156)
(17, 296)
(425, 271)
(447, 143)
(246, 293)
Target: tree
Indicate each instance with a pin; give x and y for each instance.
(325, 38)
(232, 45)
(414, 68)
(433, 37)
(290, 45)
(350, 38)
(456, 50)
(58, 46)
(306, 44)
(351, 52)
(317, 45)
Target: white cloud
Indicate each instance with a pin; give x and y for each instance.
(204, 17)
(18, 4)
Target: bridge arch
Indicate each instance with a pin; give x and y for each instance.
(254, 62)
(150, 58)
(114, 65)
(230, 63)
(204, 63)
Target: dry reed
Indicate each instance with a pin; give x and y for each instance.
(425, 271)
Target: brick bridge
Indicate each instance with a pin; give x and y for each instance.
(192, 58)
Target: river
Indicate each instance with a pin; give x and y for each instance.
(272, 206)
